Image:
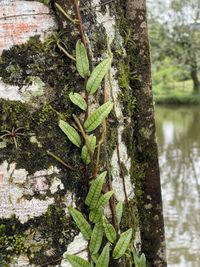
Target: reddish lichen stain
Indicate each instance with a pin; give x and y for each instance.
(21, 20)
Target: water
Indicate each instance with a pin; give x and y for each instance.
(178, 134)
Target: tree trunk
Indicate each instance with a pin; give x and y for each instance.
(36, 188)
(149, 200)
(195, 79)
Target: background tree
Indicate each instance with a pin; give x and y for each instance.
(178, 35)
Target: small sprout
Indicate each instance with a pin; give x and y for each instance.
(14, 134)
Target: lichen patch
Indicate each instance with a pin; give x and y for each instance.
(117, 182)
(18, 190)
(106, 20)
(78, 247)
(22, 19)
(23, 94)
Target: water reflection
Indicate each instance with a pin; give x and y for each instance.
(178, 134)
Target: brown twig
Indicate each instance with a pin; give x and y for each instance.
(60, 160)
(65, 51)
(83, 39)
(86, 99)
(118, 152)
(96, 169)
(74, 21)
(84, 135)
(80, 23)
(112, 199)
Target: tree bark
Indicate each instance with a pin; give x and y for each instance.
(146, 155)
(195, 79)
(36, 79)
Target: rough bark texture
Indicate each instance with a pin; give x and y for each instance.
(36, 78)
(149, 200)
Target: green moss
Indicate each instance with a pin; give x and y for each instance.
(43, 239)
(55, 227)
(17, 66)
(13, 246)
(12, 241)
(35, 58)
(112, 136)
(125, 97)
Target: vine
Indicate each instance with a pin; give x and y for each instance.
(106, 241)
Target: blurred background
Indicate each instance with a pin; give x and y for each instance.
(174, 30)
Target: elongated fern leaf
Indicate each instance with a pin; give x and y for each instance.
(119, 211)
(97, 117)
(110, 232)
(70, 132)
(77, 261)
(103, 260)
(96, 238)
(82, 63)
(95, 191)
(85, 154)
(78, 100)
(97, 75)
(122, 244)
(104, 199)
(81, 222)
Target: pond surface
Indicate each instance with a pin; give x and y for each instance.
(178, 136)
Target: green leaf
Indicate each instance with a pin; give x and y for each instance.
(95, 257)
(77, 261)
(103, 260)
(104, 199)
(97, 117)
(81, 223)
(96, 238)
(122, 244)
(119, 211)
(97, 75)
(136, 258)
(110, 232)
(82, 63)
(78, 100)
(95, 191)
(70, 132)
(143, 262)
(95, 215)
(85, 155)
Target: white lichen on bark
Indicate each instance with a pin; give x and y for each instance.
(20, 20)
(79, 247)
(23, 94)
(16, 184)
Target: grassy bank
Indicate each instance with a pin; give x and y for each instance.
(180, 93)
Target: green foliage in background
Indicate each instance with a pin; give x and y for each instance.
(175, 49)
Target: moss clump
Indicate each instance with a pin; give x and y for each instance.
(11, 244)
(55, 228)
(17, 66)
(43, 239)
(43, 123)
(35, 58)
(125, 97)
